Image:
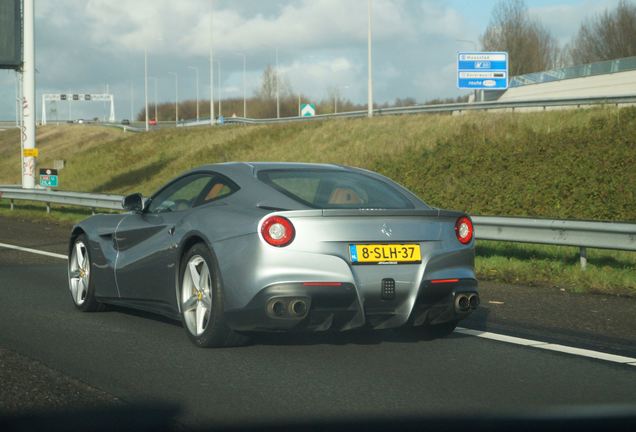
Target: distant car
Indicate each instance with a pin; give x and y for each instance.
(243, 247)
(125, 122)
(80, 121)
(152, 122)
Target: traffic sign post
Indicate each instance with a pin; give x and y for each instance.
(482, 70)
(307, 110)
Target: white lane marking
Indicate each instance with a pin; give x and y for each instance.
(477, 333)
(34, 251)
(549, 346)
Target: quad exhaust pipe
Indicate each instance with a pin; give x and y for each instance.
(287, 308)
(464, 302)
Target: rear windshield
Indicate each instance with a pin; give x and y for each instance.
(331, 189)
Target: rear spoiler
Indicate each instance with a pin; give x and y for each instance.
(393, 212)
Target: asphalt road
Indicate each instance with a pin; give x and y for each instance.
(126, 356)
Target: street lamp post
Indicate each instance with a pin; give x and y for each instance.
(244, 84)
(277, 87)
(196, 72)
(131, 101)
(155, 99)
(146, 86)
(218, 83)
(369, 63)
(336, 96)
(176, 97)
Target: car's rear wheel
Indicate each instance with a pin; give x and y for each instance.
(80, 282)
(201, 301)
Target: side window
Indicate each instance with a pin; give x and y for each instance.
(219, 187)
(181, 195)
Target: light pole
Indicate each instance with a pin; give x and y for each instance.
(244, 83)
(211, 68)
(155, 79)
(277, 87)
(131, 101)
(336, 96)
(146, 86)
(218, 83)
(28, 95)
(176, 97)
(369, 64)
(196, 73)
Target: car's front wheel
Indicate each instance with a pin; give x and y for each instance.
(201, 298)
(80, 282)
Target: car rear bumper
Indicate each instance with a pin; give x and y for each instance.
(337, 306)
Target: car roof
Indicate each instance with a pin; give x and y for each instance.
(241, 169)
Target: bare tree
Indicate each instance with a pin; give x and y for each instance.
(609, 35)
(271, 78)
(530, 46)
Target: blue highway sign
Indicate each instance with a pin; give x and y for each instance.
(482, 70)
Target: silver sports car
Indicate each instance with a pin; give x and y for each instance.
(235, 248)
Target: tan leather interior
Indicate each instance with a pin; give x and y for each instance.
(214, 191)
(344, 196)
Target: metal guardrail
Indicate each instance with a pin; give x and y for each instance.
(443, 108)
(581, 234)
(79, 199)
(416, 109)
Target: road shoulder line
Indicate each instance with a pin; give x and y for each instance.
(33, 251)
(549, 346)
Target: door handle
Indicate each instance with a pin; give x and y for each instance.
(171, 230)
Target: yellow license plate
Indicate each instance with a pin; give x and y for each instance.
(385, 253)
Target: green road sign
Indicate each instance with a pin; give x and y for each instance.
(308, 110)
(48, 177)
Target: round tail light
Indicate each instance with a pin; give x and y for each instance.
(464, 230)
(278, 231)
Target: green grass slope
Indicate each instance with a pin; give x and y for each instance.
(562, 164)
(578, 164)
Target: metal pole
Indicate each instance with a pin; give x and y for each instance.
(156, 101)
(176, 97)
(28, 94)
(244, 91)
(218, 65)
(146, 85)
(196, 86)
(18, 101)
(211, 69)
(369, 64)
(583, 255)
(131, 101)
(277, 87)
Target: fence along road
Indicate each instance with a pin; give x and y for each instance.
(581, 234)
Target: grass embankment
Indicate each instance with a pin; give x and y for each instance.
(577, 164)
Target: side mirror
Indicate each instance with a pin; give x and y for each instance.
(133, 203)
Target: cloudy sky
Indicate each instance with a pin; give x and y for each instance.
(87, 46)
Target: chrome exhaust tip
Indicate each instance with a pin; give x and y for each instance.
(462, 304)
(473, 300)
(297, 308)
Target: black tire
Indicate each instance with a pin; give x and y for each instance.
(437, 331)
(79, 277)
(215, 332)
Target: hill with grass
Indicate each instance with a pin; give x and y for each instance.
(562, 164)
